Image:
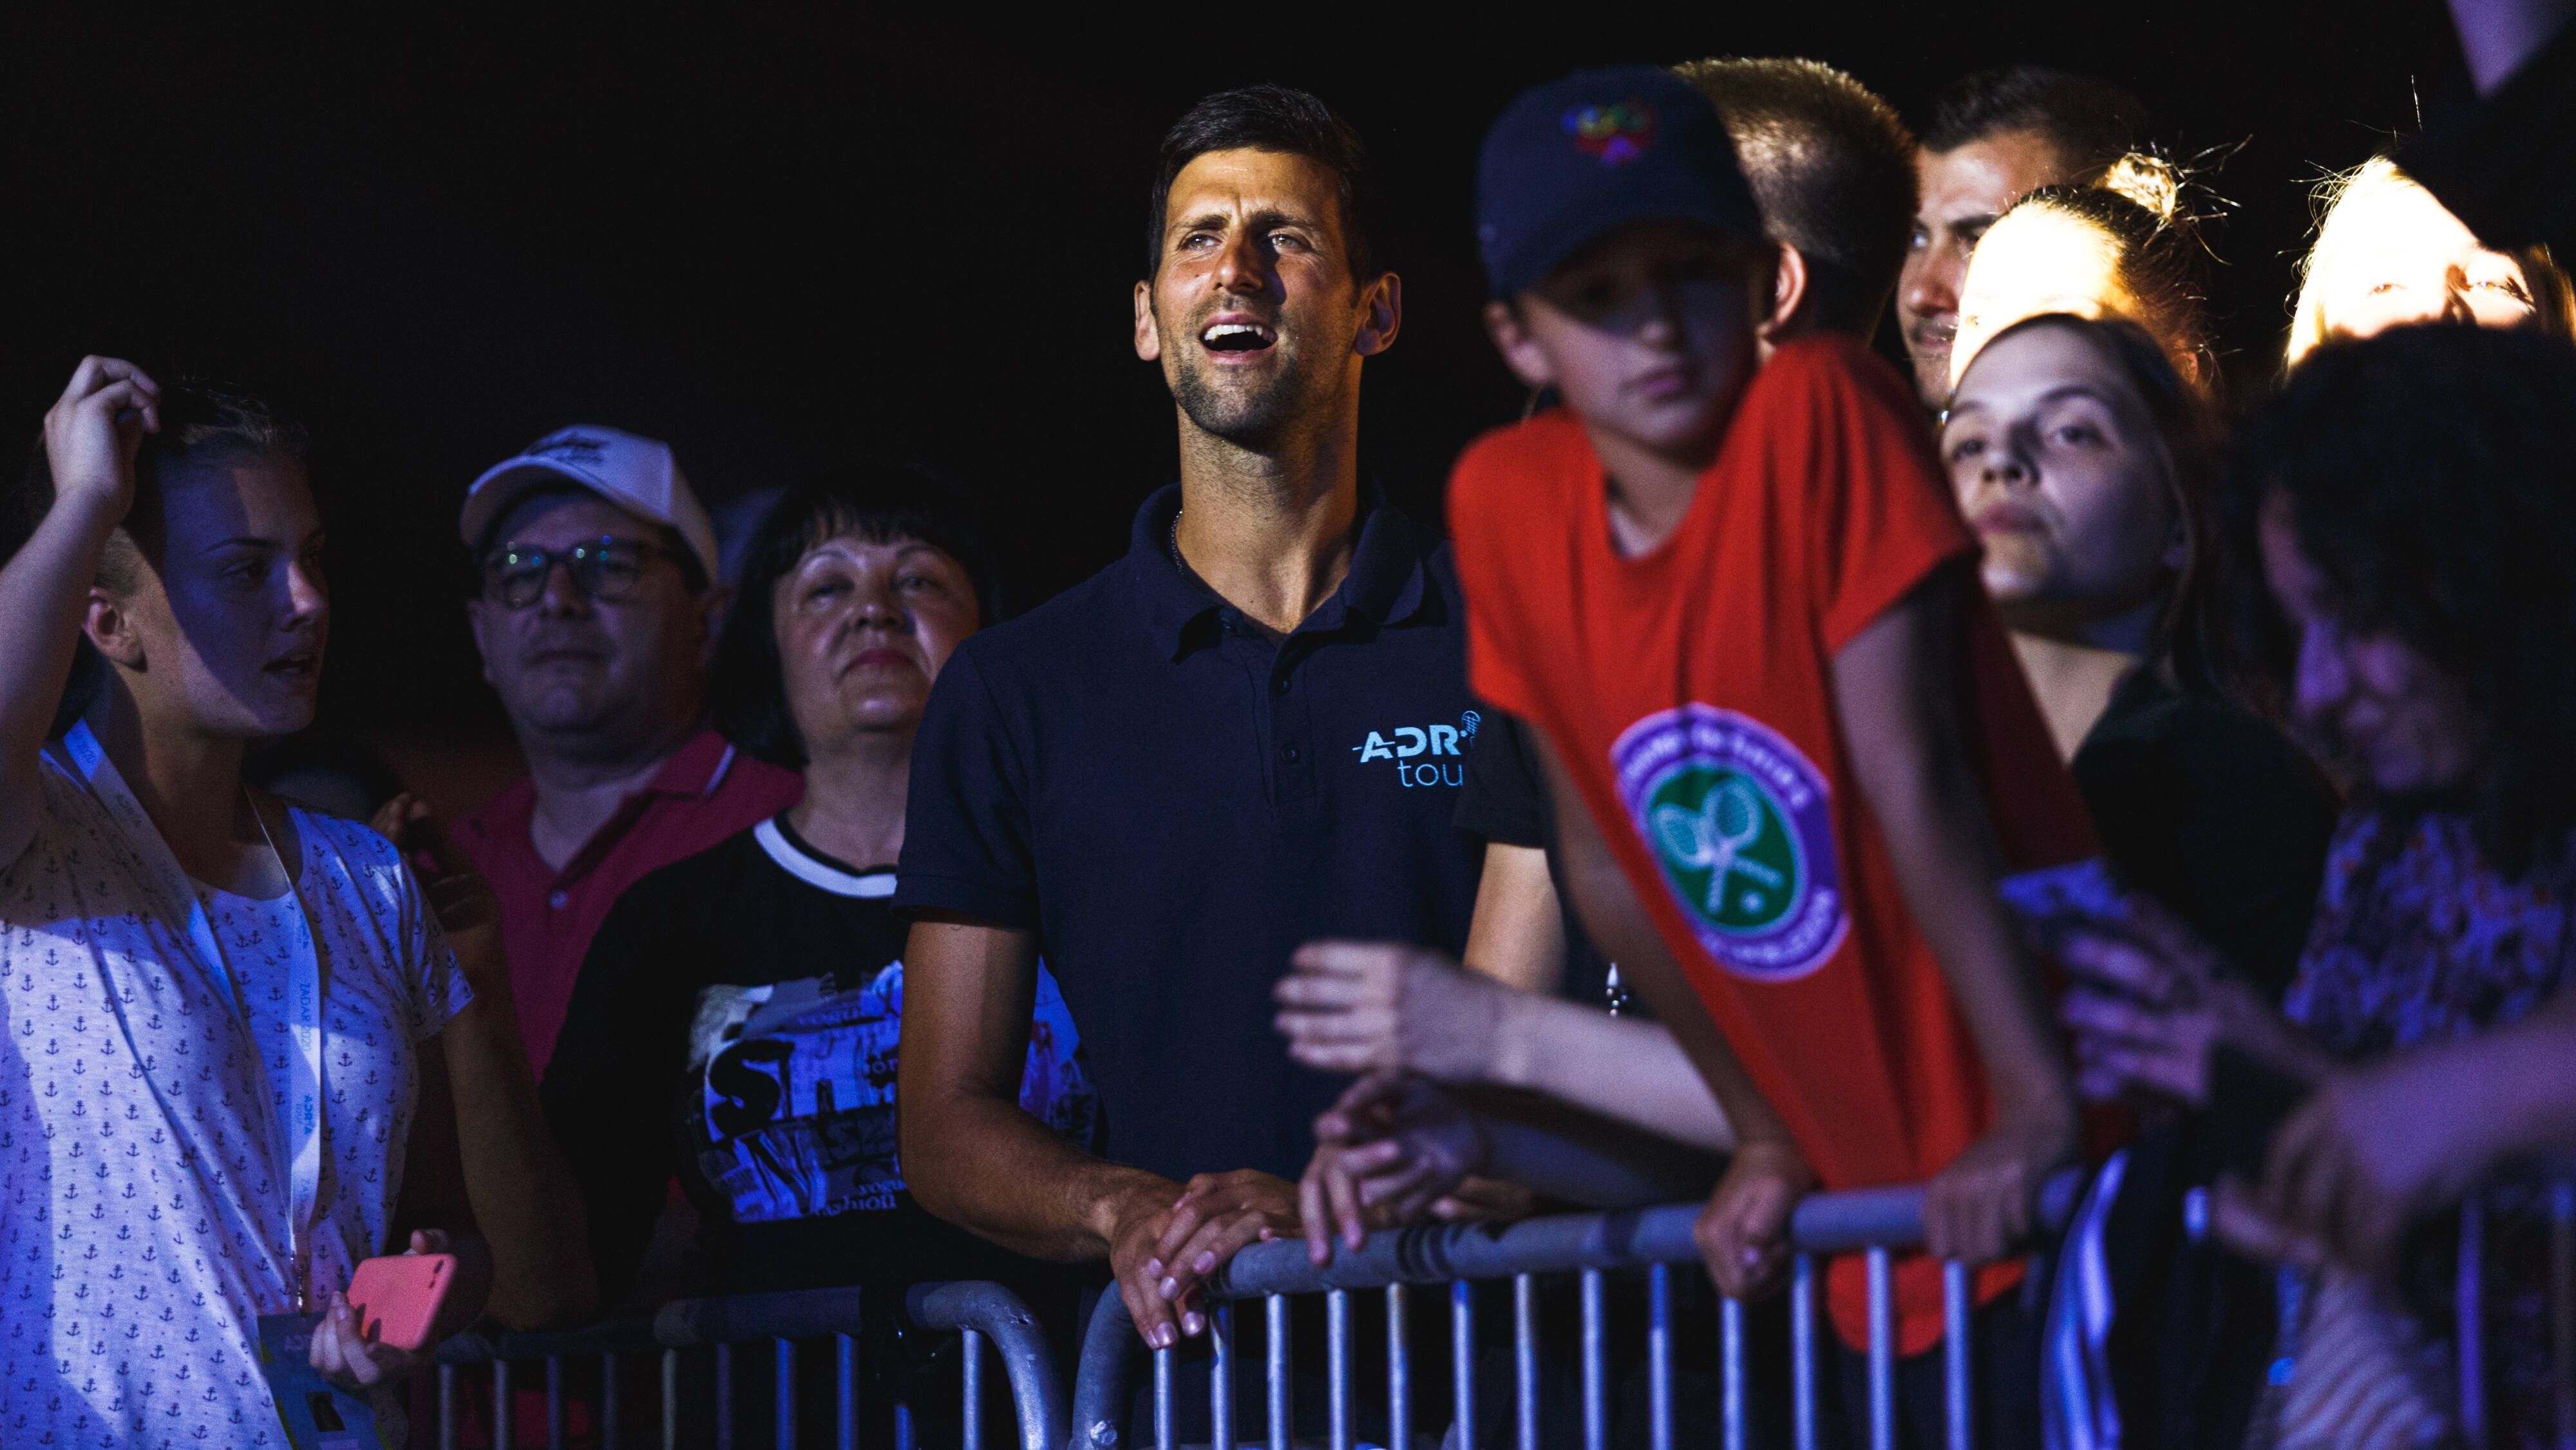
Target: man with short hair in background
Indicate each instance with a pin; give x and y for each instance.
(1994, 137)
(596, 613)
(1832, 167)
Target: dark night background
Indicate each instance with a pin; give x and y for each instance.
(783, 238)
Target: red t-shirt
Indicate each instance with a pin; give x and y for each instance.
(1688, 692)
(706, 792)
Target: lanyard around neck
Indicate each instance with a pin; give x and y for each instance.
(178, 897)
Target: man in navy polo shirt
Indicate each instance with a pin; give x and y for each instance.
(1246, 734)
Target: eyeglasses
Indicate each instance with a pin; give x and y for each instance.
(608, 570)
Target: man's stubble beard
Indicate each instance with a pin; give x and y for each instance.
(1299, 398)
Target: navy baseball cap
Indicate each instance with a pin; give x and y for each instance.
(1574, 158)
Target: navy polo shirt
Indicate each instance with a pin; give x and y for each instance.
(1173, 802)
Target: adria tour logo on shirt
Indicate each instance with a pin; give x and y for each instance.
(1423, 754)
(1738, 820)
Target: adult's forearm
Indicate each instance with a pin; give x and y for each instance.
(524, 1199)
(1629, 1071)
(991, 1169)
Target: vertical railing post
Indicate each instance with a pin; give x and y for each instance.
(1220, 1322)
(503, 1430)
(1802, 1348)
(447, 1407)
(1276, 1366)
(608, 1425)
(670, 1399)
(1525, 1358)
(1957, 1407)
(1659, 1356)
(554, 1402)
(1337, 1365)
(724, 1397)
(845, 1396)
(1399, 1371)
(1163, 1400)
(1596, 1408)
(1882, 1351)
(970, 1360)
(783, 1377)
(1462, 1360)
(1730, 1333)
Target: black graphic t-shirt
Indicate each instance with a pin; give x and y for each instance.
(735, 1025)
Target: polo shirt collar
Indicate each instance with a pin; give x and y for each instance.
(1385, 585)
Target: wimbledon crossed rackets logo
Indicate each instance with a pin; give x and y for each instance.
(1739, 821)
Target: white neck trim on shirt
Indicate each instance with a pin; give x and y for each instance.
(875, 884)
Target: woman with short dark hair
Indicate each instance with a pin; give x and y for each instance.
(736, 1021)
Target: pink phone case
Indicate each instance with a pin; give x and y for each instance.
(397, 1297)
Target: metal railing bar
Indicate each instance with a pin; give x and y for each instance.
(1596, 1367)
(608, 1425)
(1220, 1322)
(1958, 1408)
(1016, 1337)
(446, 1406)
(1462, 1359)
(554, 1402)
(1337, 1366)
(970, 1369)
(845, 1391)
(724, 1396)
(1802, 1348)
(2562, 1306)
(670, 1399)
(1525, 1359)
(796, 1314)
(1275, 1357)
(1882, 1351)
(1399, 1373)
(1730, 1333)
(1825, 1223)
(1659, 1357)
(783, 1378)
(1163, 1400)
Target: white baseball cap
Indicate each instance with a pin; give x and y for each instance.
(638, 475)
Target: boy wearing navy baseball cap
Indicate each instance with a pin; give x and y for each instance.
(1791, 749)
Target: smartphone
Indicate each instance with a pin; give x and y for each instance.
(2080, 891)
(398, 1297)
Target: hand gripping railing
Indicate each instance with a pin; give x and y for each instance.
(1875, 1222)
(984, 1314)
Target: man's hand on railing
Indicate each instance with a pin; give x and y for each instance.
(1161, 1251)
(1743, 1234)
(1390, 1151)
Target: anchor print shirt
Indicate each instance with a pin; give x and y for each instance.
(144, 1161)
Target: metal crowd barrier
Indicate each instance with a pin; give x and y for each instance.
(985, 1315)
(1876, 1222)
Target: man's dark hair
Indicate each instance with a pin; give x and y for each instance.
(877, 501)
(1832, 167)
(2431, 479)
(2092, 123)
(1271, 118)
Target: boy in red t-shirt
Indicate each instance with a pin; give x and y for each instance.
(1791, 750)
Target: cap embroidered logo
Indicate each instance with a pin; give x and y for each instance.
(1613, 135)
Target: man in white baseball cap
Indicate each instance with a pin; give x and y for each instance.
(596, 611)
